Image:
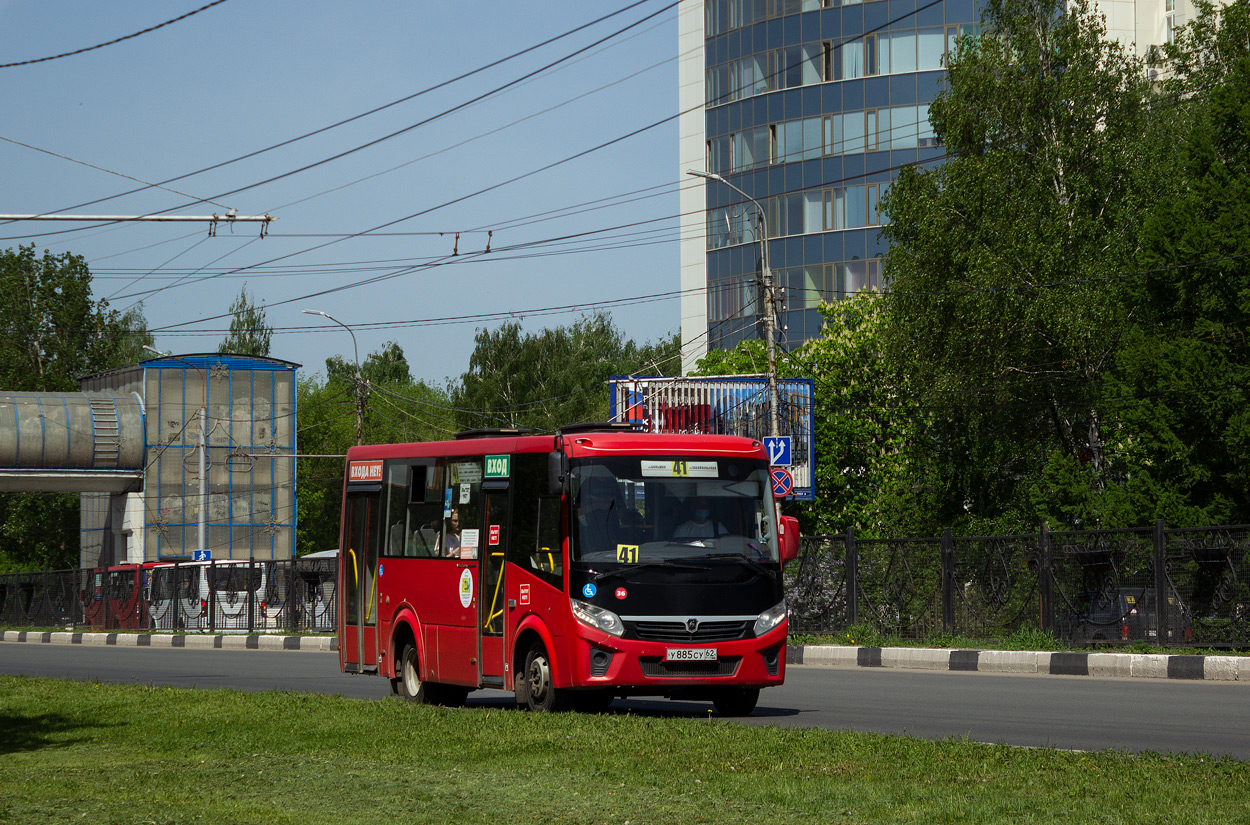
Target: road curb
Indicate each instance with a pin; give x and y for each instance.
(1113, 665)
(193, 641)
(1117, 665)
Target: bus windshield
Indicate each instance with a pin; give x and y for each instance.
(638, 510)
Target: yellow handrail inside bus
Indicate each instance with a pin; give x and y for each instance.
(355, 575)
(493, 614)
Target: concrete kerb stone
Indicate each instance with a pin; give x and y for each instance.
(1146, 665)
(1221, 668)
(916, 658)
(1009, 661)
(1111, 664)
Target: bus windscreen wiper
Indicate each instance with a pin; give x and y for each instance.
(751, 563)
(667, 565)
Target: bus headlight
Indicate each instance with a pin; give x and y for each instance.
(770, 618)
(598, 617)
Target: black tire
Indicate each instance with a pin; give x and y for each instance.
(736, 701)
(410, 685)
(591, 701)
(540, 693)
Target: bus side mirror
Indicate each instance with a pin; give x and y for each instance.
(557, 472)
(788, 536)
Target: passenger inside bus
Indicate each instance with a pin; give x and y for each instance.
(701, 524)
(451, 531)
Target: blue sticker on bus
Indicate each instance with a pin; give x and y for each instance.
(589, 590)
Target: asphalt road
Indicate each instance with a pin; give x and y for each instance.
(1069, 712)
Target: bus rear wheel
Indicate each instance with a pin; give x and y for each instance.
(541, 694)
(736, 701)
(410, 685)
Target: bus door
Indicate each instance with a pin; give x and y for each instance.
(495, 529)
(358, 582)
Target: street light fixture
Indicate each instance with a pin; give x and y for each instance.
(360, 382)
(202, 520)
(770, 307)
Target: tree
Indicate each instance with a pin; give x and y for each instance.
(554, 377)
(249, 334)
(1184, 367)
(866, 423)
(397, 409)
(1005, 297)
(52, 332)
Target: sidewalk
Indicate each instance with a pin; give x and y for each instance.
(197, 641)
(1105, 665)
(1125, 665)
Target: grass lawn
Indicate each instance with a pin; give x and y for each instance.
(82, 752)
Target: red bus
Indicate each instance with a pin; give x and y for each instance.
(113, 598)
(571, 568)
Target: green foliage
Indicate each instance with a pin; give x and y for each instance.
(553, 377)
(1184, 365)
(249, 333)
(1004, 297)
(52, 332)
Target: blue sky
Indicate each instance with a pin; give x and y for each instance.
(243, 76)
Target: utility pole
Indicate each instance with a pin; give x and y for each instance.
(770, 304)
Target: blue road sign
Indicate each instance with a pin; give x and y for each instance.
(778, 447)
(201, 555)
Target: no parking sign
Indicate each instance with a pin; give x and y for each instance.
(783, 483)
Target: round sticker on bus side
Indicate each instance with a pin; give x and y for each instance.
(466, 588)
(621, 592)
(589, 590)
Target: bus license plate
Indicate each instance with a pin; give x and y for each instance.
(690, 654)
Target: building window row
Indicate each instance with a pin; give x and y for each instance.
(882, 53)
(804, 287)
(871, 130)
(798, 213)
(721, 16)
(807, 287)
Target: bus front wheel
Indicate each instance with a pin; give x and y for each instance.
(410, 685)
(736, 701)
(541, 694)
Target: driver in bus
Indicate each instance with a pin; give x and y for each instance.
(701, 525)
(599, 514)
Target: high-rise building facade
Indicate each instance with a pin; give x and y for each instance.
(811, 107)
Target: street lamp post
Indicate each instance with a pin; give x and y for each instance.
(360, 382)
(770, 307)
(201, 543)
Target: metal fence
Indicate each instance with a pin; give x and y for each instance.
(1171, 588)
(210, 597)
(1166, 587)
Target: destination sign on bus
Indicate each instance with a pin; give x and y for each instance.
(360, 471)
(679, 469)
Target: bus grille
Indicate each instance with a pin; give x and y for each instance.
(655, 667)
(675, 631)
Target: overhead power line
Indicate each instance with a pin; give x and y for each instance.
(191, 13)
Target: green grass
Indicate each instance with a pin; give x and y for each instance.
(124, 754)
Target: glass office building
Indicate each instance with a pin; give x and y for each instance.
(810, 107)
